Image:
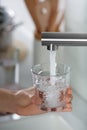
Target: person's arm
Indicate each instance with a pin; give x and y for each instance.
(13, 101)
(22, 102)
(25, 102)
(6, 100)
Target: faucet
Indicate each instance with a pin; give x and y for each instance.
(54, 39)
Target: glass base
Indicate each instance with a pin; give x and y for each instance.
(57, 108)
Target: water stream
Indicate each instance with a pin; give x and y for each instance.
(52, 67)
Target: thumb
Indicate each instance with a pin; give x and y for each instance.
(22, 98)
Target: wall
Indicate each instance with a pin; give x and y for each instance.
(76, 18)
(76, 21)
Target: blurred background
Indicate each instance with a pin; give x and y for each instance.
(71, 17)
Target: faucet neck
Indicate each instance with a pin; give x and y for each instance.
(54, 39)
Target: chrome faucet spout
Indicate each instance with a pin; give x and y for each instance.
(54, 39)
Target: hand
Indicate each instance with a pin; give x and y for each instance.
(28, 104)
(68, 98)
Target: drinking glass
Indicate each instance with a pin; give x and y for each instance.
(51, 89)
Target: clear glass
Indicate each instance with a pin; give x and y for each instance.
(51, 88)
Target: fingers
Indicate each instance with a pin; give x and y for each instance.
(36, 100)
(29, 110)
(68, 99)
(68, 95)
(27, 103)
(25, 97)
(69, 90)
(32, 94)
(67, 109)
(68, 105)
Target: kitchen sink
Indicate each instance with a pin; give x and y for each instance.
(48, 121)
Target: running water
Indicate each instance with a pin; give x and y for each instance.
(52, 67)
(49, 91)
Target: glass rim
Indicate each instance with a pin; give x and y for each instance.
(39, 74)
